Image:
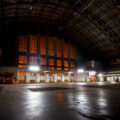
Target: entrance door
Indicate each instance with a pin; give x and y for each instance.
(22, 77)
(51, 77)
(59, 77)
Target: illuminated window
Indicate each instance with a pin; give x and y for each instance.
(65, 50)
(59, 63)
(33, 44)
(22, 59)
(42, 74)
(33, 74)
(51, 74)
(66, 69)
(33, 60)
(73, 75)
(51, 62)
(65, 63)
(118, 60)
(72, 64)
(59, 68)
(72, 54)
(59, 74)
(72, 69)
(51, 68)
(59, 48)
(22, 66)
(42, 45)
(42, 61)
(51, 47)
(22, 73)
(22, 43)
(66, 74)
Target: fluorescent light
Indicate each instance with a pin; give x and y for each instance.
(100, 75)
(80, 70)
(34, 68)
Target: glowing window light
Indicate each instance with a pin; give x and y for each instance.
(92, 73)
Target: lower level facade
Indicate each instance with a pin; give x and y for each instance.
(15, 75)
(44, 77)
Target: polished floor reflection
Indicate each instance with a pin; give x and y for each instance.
(57, 102)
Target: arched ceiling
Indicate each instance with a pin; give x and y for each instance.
(94, 24)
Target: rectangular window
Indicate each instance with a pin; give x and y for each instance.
(33, 60)
(22, 73)
(72, 64)
(51, 68)
(22, 43)
(33, 44)
(66, 69)
(42, 74)
(22, 59)
(51, 47)
(51, 62)
(65, 50)
(42, 45)
(66, 74)
(59, 63)
(42, 61)
(59, 68)
(59, 74)
(72, 53)
(59, 48)
(65, 63)
(22, 66)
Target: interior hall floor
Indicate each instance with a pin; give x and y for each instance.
(68, 101)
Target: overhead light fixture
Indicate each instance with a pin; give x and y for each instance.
(34, 68)
(80, 70)
(100, 75)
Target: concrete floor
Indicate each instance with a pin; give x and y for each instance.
(58, 102)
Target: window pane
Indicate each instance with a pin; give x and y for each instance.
(51, 47)
(51, 62)
(33, 60)
(72, 54)
(42, 45)
(42, 61)
(59, 63)
(65, 63)
(22, 43)
(22, 59)
(33, 44)
(65, 50)
(59, 48)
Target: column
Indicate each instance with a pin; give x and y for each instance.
(55, 54)
(62, 54)
(69, 62)
(47, 56)
(28, 49)
(38, 49)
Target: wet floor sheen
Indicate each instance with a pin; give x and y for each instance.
(58, 102)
